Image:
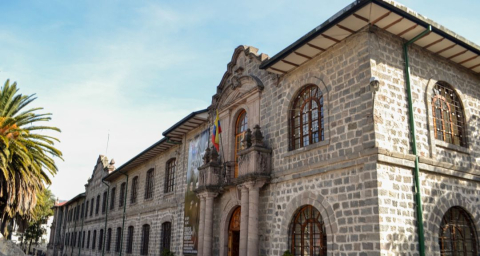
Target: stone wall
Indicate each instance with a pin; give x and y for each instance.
(449, 173)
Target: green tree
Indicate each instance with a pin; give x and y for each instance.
(41, 212)
(26, 156)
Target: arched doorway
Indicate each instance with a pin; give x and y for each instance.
(234, 233)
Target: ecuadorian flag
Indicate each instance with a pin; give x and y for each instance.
(216, 132)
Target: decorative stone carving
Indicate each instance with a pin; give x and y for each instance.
(254, 162)
(209, 176)
(206, 156)
(247, 139)
(257, 139)
(214, 155)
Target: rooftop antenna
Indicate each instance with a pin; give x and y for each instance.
(108, 139)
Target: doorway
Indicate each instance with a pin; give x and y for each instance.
(234, 233)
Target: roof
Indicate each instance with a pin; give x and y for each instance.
(172, 137)
(60, 204)
(81, 195)
(387, 15)
(187, 124)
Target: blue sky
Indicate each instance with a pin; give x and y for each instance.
(131, 69)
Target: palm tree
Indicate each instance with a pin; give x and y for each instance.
(26, 157)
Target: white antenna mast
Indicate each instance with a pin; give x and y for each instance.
(108, 139)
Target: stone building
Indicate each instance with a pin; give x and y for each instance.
(360, 138)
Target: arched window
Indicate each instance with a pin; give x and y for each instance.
(121, 198)
(145, 239)
(133, 193)
(91, 205)
(448, 116)
(306, 118)
(241, 127)
(170, 175)
(130, 240)
(457, 233)
(97, 207)
(166, 236)
(149, 184)
(307, 233)
(83, 240)
(109, 240)
(112, 198)
(119, 239)
(88, 239)
(104, 203)
(100, 240)
(94, 239)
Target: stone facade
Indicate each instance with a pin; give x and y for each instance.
(359, 177)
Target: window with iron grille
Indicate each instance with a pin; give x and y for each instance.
(448, 115)
(130, 240)
(83, 240)
(109, 240)
(119, 240)
(145, 239)
(457, 233)
(149, 184)
(112, 198)
(166, 236)
(133, 193)
(121, 198)
(307, 235)
(91, 209)
(88, 239)
(100, 240)
(170, 175)
(104, 203)
(94, 239)
(97, 207)
(306, 118)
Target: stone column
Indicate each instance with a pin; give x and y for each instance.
(208, 226)
(244, 221)
(201, 225)
(253, 194)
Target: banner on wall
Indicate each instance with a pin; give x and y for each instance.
(196, 151)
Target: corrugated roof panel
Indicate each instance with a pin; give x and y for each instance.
(452, 51)
(414, 32)
(308, 50)
(428, 39)
(295, 59)
(337, 33)
(401, 27)
(440, 46)
(353, 23)
(463, 57)
(322, 42)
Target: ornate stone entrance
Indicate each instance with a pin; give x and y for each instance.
(234, 233)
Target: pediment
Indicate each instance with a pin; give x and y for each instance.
(236, 82)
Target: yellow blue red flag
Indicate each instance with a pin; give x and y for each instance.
(217, 129)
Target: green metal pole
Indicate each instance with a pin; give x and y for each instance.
(124, 211)
(106, 218)
(418, 196)
(74, 230)
(81, 230)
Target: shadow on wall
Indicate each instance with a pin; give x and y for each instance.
(473, 125)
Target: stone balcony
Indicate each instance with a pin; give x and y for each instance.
(254, 164)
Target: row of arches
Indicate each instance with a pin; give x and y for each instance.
(308, 236)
